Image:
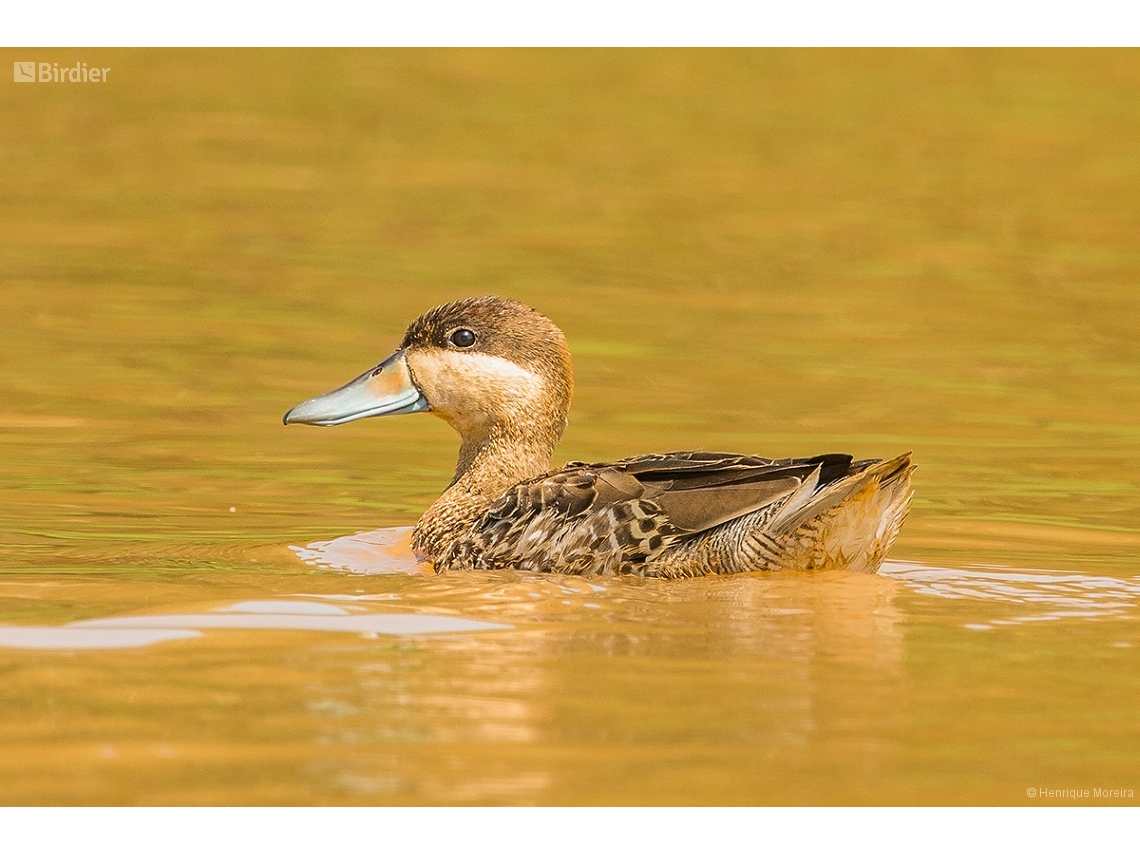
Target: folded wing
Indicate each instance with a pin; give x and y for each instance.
(607, 518)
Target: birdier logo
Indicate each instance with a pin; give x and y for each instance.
(51, 72)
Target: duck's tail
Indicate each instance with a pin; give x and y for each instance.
(850, 522)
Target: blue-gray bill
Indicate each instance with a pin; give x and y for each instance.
(386, 390)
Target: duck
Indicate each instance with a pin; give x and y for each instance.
(499, 372)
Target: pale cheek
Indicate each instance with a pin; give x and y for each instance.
(470, 390)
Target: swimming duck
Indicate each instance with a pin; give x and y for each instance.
(499, 373)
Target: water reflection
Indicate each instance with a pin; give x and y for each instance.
(1031, 595)
(386, 550)
(78, 638)
(626, 668)
(142, 630)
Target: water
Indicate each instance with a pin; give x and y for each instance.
(781, 253)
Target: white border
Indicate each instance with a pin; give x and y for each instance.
(552, 831)
(604, 23)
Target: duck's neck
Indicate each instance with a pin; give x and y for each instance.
(489, 463)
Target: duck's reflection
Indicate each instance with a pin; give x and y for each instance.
(769, 674)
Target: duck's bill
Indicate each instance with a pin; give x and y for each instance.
(386, 390)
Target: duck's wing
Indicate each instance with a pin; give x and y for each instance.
(602, 516)
(697, 491)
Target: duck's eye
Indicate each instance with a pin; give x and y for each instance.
(463, 338)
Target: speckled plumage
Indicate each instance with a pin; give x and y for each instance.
(507, 393)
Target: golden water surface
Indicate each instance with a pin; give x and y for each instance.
(774, 252)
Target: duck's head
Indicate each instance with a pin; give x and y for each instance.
(491, 368)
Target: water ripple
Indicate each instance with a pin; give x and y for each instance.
(143, 630)
(387, 550)
(1037, 595)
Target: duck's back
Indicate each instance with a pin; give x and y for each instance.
(691, 514)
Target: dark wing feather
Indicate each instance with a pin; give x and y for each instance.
(707, 489)
(694, 510)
